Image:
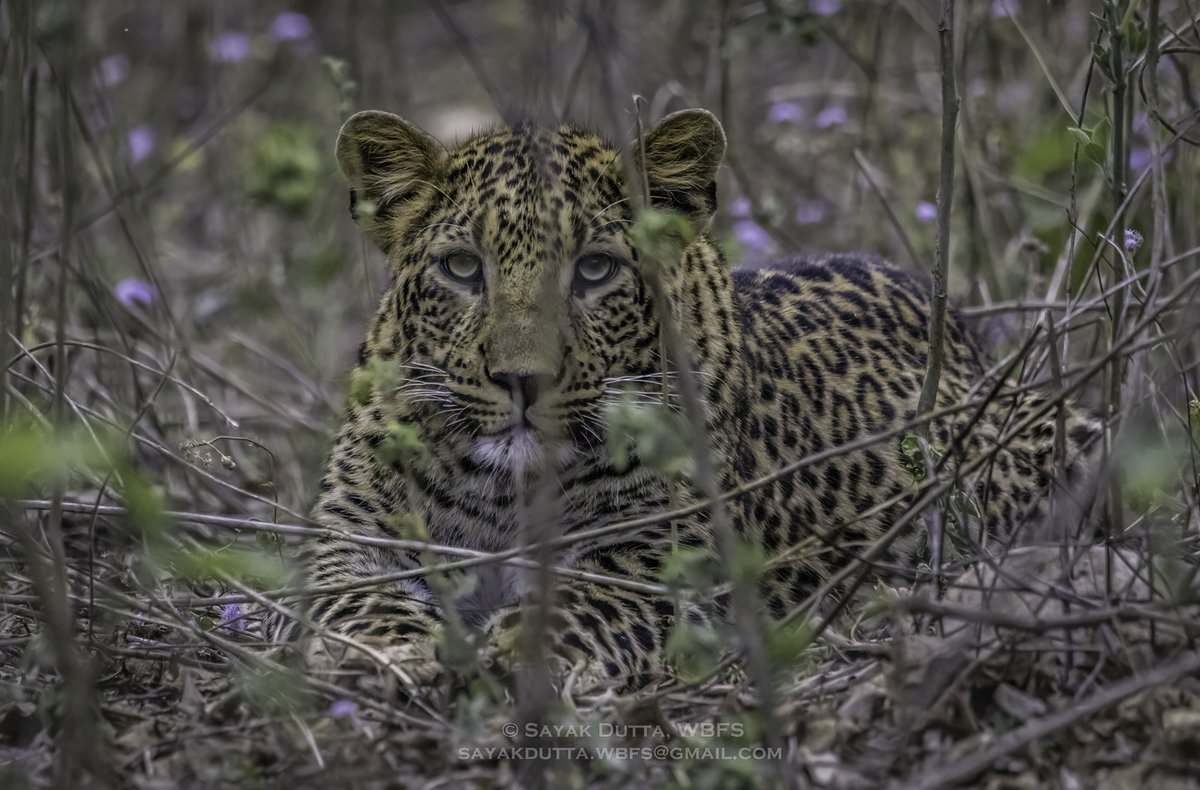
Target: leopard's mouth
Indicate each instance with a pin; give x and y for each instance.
(521, 449)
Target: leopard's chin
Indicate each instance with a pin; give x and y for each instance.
(522, 450)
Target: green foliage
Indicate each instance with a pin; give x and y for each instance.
(787, 644)
(37, 459)
(147, 508)
(1174, 577)
(325, 265)
(958, 506)
(1046, 154)
(917, 454)
(658, 435)
(409, 525)
(749, 563)
(376, 376)
(250, 565)
(690, 569)
(1151, 474)
(273, 690)
(882, 599)
(338, 71)
(802, 25)
(1094, 141)
(659, 236)
(693, 649)
(285, 169)
(1134, 38)
(402, 445)
(257, 565)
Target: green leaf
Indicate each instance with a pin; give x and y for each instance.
(1102, 58)
(748, 565)
(1049, 153)
(1081, 135)
(402, 445)
(409, 525)
(35, 457)
(285, 169)
(1136, 39)
(254, 566)
(660, 235)
(692, 649)
(1096, 153)
(657, 434)
(787, 644)
(689, 569)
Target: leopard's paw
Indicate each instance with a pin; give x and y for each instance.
(411, 666)
(570, 669)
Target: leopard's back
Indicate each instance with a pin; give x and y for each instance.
(836, 350)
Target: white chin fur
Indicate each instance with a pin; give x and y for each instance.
(519, 451)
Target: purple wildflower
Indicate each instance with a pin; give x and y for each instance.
(740, 207)
(231, 617)
(230, 47)
(1002, 9)
(785, 112)
(926, 211)
(824, 7)
(114, 69)
(343, 709)
(291, 26)
(810, 212)
(133, 291)
(831, 116)
(141, 142)
(752, 236)
(1133, 240)
(1140, 158)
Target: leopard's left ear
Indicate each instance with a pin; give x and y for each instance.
(683, 153)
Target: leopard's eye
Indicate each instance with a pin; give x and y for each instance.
(593, 270)
(463, 267)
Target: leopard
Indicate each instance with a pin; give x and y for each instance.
(525, 309)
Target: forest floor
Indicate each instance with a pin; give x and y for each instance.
(1019, 677)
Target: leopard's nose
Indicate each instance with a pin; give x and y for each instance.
(524, 389)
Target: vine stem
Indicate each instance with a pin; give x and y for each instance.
(945, 199)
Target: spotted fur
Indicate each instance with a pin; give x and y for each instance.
(794, 359)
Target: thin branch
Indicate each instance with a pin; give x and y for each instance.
(945, 201)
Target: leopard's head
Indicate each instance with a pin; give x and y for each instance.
(520, 300)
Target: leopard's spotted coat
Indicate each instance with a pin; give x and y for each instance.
(796, 358)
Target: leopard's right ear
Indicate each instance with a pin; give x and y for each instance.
(682, 154)
(388, 162)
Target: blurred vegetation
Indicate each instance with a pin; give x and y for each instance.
(181, 292)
